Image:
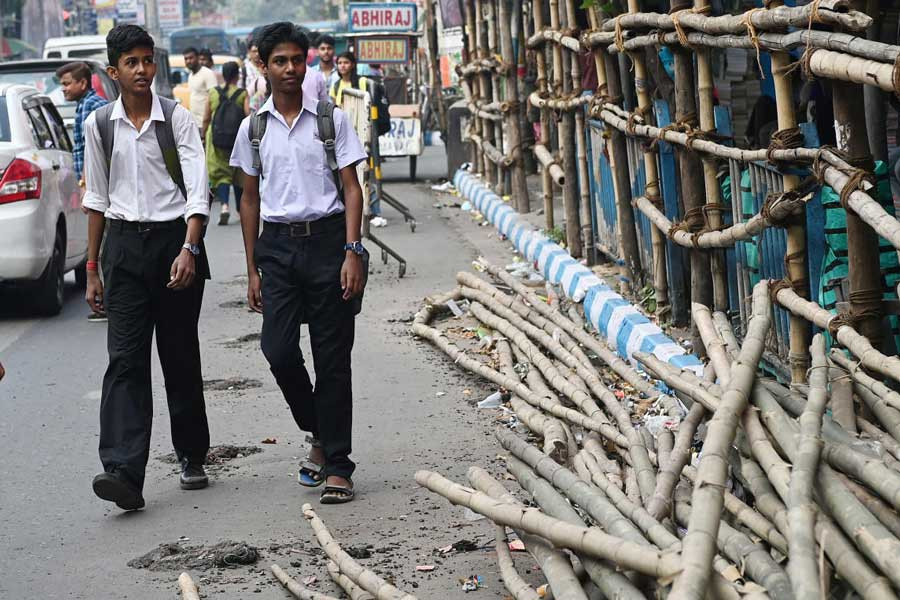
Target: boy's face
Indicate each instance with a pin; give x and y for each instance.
(192, 61)
(286, 68)
(326, 53)
(135, 71)
(73, 89)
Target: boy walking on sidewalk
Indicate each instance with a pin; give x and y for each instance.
(309, 253)
(146, 184)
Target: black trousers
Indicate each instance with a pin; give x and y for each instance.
(301, 283)
(136, 268)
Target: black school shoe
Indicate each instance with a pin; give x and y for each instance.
(113, 488)
(193, 476)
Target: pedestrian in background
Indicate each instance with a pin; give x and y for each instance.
(201, 81)
(146, 184)
(206, 59)
(326, 66)
(75, 79)
(257, 86)
(227, 108)
(308, 265)
(349, 78)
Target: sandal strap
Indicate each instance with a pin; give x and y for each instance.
(311, 467)
(338, 489)
(313, 442)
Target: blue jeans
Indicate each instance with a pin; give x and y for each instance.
(374, 202)
(222, 195)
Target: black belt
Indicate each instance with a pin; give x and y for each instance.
(307, 228)
(144, 226)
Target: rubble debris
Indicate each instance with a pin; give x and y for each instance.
(180, 557)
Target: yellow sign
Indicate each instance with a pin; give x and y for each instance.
(380, 50)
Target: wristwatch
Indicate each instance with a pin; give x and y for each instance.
(355, 247)
(192, 248)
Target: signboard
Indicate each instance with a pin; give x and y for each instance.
(451, 13)
(127, 11)
(379, 16)
(404, 138)
(381, 50)
(170, 14)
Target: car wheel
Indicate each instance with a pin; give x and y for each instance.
(51, 286)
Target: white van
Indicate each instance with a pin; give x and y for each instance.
(75, 46)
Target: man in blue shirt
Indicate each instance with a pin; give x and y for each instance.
(75, 79)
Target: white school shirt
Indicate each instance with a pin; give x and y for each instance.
(140, 188)
(200, 84)
(297, 184)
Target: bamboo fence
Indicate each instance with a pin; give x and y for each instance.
(829, 42)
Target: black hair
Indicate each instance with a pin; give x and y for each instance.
(326, 39)
(190, 50)
(125, 38)
(231, 71)
(207, 53)
(79, 71)
(279, 33)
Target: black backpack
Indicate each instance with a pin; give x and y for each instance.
(227, 120)
(380, 100)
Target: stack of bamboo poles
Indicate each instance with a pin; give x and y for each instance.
(491, 90)
(794, 493)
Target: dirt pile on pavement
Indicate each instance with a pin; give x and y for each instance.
(218, 455)
(231, 384)
(179, 557)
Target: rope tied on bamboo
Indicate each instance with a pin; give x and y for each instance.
(676, 13)
(895, 76)
(747, 20)
(773, 200)
(636, 118)
(619, 37)
(784, 139)
(801, 284)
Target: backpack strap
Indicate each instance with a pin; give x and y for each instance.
(165, 137)
(327, 133)
(258, 122)
(106, 130)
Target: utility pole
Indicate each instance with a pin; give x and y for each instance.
(151, 14)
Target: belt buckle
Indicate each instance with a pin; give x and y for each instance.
(143, 227)
(301, 229)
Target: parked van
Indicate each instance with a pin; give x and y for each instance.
(77, 47)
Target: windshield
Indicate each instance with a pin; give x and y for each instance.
(5, 134)
(45, 82)
(217, 42)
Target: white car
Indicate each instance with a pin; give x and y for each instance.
(43, 232)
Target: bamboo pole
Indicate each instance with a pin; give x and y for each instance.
(588, 251)
(660, 503)
(562, 85)
(517, 387)
(776, 17)
(514, 133)
(188, 587)
(588, 540)
(715, 346)
(713, 191)
(651, 173)
(543, 89)
(480, 50)
(514, 583)
(603, 352)
(608, 84)
(437, 99)
(795, 261)
(471, 36)
(803, 563)
(699, 546)
(554, 563)
(296, 590)
(345, 583)
(691, 171)
(365, 578)
(612, 583)
(493, 47)
(862, 242)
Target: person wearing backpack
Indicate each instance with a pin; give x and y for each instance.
(146, 185)
(226, 109)
(299, 157)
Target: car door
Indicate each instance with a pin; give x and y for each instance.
(43, 154)
(69, 189)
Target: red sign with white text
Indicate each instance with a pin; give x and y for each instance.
(372, 16)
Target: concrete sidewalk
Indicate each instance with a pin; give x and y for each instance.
(411, 412)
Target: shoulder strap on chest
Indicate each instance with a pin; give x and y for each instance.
(106, 130)
(327, 133)
(165, 137)
(258, 122)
